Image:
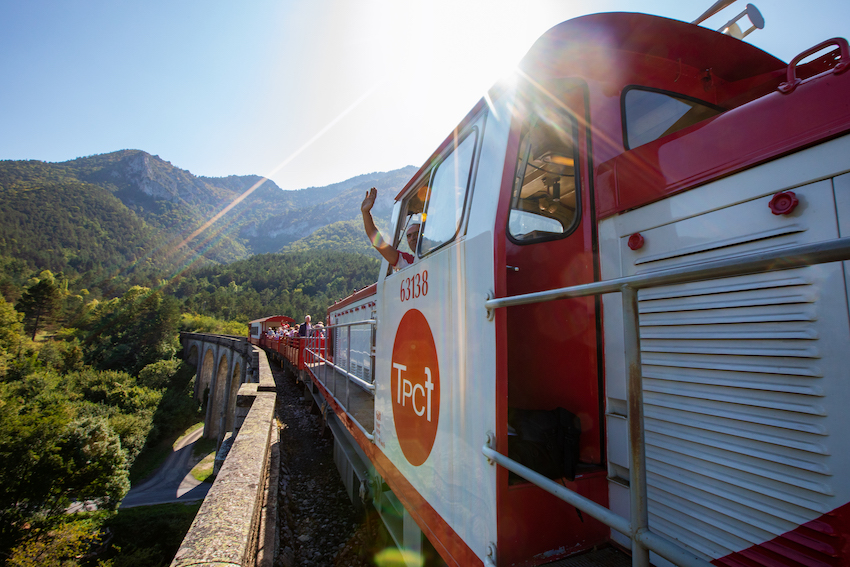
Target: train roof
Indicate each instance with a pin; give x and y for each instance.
(582, 39)
(274, 319)
(592, 45)
(354, 297)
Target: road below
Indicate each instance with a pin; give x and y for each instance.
(172, 481)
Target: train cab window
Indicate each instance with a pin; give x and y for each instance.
(649, 115)
(437, 203)
(544, 204)
(447, 197)
(414, 206)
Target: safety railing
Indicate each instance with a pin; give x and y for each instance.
(637, 526)
(323, 362)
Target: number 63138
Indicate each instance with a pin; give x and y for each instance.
(414, 286)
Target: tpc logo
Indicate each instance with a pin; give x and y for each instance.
(415, 387)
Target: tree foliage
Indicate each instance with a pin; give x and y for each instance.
(60, 546)
(11, 331)
(70, 432)
(130, 332)
(40, 301)
(293, 284)
(52, 453)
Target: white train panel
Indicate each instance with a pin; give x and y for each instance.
(744, 378)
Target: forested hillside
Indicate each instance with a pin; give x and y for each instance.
(293, 284)
(282, 230)
(103, 261)
(81, 409)
(70, 226)
(343, 236)
(111, 221)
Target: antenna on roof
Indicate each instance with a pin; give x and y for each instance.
(756, 19)
(716, 7)
(731, 27)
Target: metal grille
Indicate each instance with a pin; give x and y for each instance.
(736, 438)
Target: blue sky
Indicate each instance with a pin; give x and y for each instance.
(308, 93)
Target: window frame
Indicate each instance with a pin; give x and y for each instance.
(526, 126)
(473, 130)
(428, 180)
(623, 117)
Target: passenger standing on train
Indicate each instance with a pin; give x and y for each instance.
(397, 260)
(305, 328)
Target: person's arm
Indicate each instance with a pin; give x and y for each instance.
(387, 251)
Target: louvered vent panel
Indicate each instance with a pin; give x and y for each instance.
(736, 426)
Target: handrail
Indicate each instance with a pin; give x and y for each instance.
(362, 429)
(593, 509)
(349, 375)
(371, 322)
(369, 387)
(637, 529)
(778, 259)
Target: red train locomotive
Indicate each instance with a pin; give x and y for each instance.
(598, 250)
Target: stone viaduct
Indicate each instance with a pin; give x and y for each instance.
(223, 364)
(237, 522)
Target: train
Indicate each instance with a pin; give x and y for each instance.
(626, 327)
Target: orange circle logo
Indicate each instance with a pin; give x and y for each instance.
(415, 387)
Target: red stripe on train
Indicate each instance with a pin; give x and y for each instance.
(445, 540)
(822, 542)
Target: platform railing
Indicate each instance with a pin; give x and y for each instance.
(318, 354)
(637, 527)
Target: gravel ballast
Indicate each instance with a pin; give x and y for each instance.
(318, 524)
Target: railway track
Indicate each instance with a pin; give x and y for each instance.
(318, 524)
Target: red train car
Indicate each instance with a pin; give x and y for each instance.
(598, 249)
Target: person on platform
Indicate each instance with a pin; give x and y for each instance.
(397, 259)
(305, 328)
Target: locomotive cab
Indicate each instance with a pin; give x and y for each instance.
(546, 225)
(616, 127)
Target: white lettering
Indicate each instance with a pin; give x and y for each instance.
(417, 410)
(407, 391)
(428, 386)
(400, 368)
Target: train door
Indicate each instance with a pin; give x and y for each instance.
(432, 405)
(552, 358)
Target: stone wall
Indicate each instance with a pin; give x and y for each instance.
(237, 522)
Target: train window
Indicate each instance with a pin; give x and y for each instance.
(447, 197)
(545, 196)
(649, 115)
(414, 205)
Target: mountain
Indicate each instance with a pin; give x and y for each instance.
(130, 214)
(342, 204)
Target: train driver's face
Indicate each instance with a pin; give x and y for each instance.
(412, 235)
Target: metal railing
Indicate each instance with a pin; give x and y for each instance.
(318, 355)
(637, 527)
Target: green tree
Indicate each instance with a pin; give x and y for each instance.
(40, 301)
(11, 331)
(50, 456)
(132, 331)
(58, 547)
(97, 467)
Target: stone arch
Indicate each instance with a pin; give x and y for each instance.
(204, 375)
(235, 382)
(193, 355)
(217, 399)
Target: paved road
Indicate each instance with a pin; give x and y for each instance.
(172, 482)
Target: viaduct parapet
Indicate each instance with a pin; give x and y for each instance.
(237, 522)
